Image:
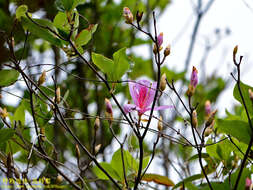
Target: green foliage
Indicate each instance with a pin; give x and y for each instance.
(21, 10)
(6, 134)
(42, 32)
(85, 35)
(245, 93)
(8, 77)
(236, 128)
(113, 68)
(68, 5)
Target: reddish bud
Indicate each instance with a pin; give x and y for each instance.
(194, 77)
(160, 39)
(128, 15)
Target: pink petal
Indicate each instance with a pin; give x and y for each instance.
(160, 108)
(151, 95)
(128, 108)
(133, 92)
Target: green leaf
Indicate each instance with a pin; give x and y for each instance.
(68, 5)
(21, 10)
(245, 92)
(236, 128)
(211, 150)
(41, 32)
(121, 63)
(85, 35)
(145, 162)
(19, 114)
(108, 168)
(159, 179)
(188, 179)
(77, 2)
(61, 22)
(196, 156)
(117, 164)
(6, 134)
(8, 77)
(103, 63)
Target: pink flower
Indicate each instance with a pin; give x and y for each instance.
(247, 183)
(160, 39)
(142, 93)
(194, 77)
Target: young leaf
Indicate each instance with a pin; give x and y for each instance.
(121, 64)
(21, 10)
(236, 128)
(8, 77)
(108, 168)
(159, 179)
(103, 63)
(85, 35)
(245, 92)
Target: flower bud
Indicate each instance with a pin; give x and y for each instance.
(248, 183)
(42, 133)
(58, 95)
(155, 49)
(210, 119)
(251, 95)
(208, 131)
(42, 78)
(163, 82)
(108, 109)
(194, 119)
(3, 113)
(139, 16)
(207, 108)
(97, 148)
(97, 123)
(167, 51)
(235, 52)
(194, 77)
(190, 91)
(78, 154)
(16, 173)
(193, 82)
(160, 39)
(59, 179)
(128, 15)
(160, 124)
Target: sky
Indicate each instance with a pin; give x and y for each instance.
(177, 24)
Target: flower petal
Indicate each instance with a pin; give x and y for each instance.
(133, 92)
(160, 108)
(128, 108)
(150, 95)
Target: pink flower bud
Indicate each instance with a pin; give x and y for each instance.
(108, 106)
(248, 183)
(208, 107)
(194, 77)
(160, 39)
